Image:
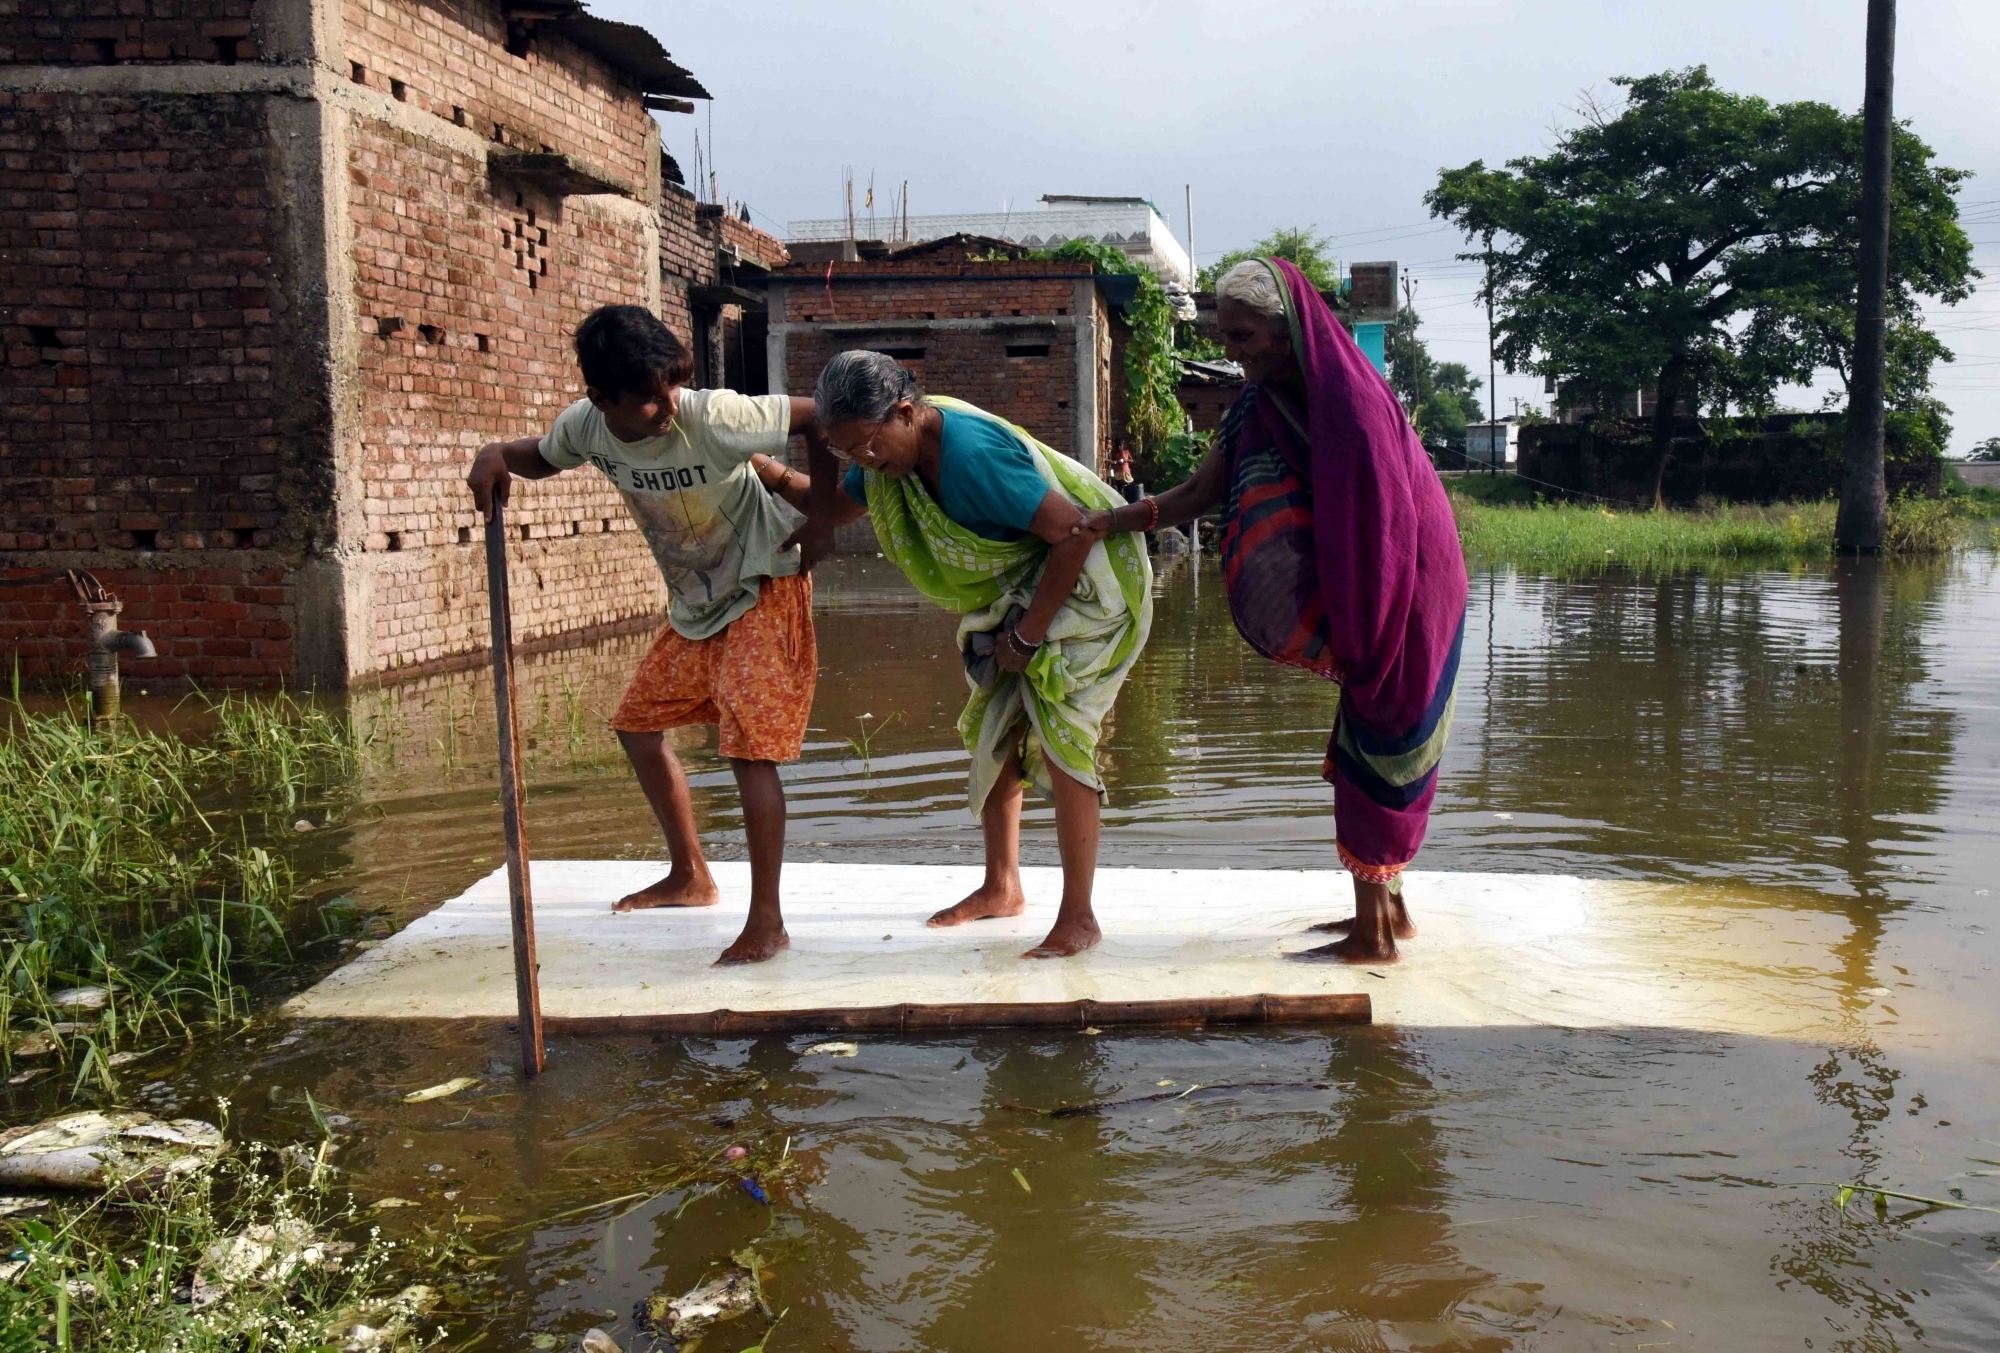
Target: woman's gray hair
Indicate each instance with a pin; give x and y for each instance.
(862, 387)
(1250, 283)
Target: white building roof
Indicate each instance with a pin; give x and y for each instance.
(1126, 223)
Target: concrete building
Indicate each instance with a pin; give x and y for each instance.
(1127, 223)
(271, 270)
(1493, 446)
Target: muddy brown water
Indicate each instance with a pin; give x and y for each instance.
(1821, 745)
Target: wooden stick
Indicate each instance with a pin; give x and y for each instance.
(520, 905)
(1328, 1008)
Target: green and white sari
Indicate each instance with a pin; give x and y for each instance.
(1055, 709)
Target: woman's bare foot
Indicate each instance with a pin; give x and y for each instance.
(1355, 949)
(758, 942)
(1069, 936)
(1399, 919)
(675, 890)
(983, 904)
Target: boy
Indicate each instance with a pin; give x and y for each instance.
(738, 649)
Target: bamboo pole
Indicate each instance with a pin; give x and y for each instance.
(1327, 1008)
(520, 905)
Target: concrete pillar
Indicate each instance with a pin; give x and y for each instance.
(1083, 310)
(774, 342)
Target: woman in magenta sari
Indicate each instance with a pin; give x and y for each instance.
(1340, 555)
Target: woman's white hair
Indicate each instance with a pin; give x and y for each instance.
(1250, 283)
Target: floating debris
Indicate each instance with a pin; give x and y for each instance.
(692, 1314)
(262, 1255)
(104, 1149)
(1022, 1180)
(736, 1153)
(597, 1341)
(390, 1204)
(81, 998)
(755, 1190)
(14, 1205)
(444, 1091)
(43, 1041)
(302, 826)
(832, 1050)
(376, 1326)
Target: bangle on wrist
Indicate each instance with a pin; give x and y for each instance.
(1152, 506)
(1020, 645)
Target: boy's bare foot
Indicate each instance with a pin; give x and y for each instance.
(1354, 949)
(1067, 938)
(693, 890)
(983, 904)
(756, 944)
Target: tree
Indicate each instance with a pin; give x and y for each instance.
(1442, 397)
(1986, 450)
(1152, 366)
(1697, 243)
(1307, 250)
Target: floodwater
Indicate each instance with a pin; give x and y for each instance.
(1816, 748)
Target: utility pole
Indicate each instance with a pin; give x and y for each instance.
(1864, 498)
(1410, 349)
(1492, 371)
(906, 211)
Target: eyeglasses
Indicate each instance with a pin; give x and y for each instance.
(851, 453)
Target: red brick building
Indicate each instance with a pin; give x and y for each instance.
(1029, 339)
(271, 270)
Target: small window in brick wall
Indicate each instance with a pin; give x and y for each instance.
(485, 342)
(434, 335)
(529, 243)
(903, 354)
(1027, 349)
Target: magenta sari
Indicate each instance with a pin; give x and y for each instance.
(1341, 556)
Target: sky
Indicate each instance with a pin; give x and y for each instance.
(1334, 117)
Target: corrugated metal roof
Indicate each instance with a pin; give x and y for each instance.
(631, 49)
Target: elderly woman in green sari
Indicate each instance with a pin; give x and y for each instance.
(979, 516)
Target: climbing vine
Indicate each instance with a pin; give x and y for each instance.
(1152, 364)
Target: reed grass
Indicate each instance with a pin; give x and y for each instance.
(113, 876)
(1572, 538)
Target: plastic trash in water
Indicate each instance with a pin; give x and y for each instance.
(692, 1314)
(832, 1050)
(597, 1341)
(444, 1091)
(755, 1190)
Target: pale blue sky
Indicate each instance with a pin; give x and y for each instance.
(1337, 117)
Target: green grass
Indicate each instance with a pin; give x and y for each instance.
(1499, 522)
(112, 875)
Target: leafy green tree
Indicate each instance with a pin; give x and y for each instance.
(1306, 249)
(1987, 450)
(1698, 243)
(1442, 397)
(1152, 366)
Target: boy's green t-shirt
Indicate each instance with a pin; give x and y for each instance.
(714, 529)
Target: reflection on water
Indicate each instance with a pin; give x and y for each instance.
(1819, 744)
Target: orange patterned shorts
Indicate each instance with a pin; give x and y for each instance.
(754, 680)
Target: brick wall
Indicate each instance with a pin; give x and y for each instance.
(1205, 404)
(1023, 371)
(106, 32)
(136, 403)
(450, 59)
(466, 300)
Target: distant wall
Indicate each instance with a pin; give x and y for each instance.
(1786, 458)
(1979, 474)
